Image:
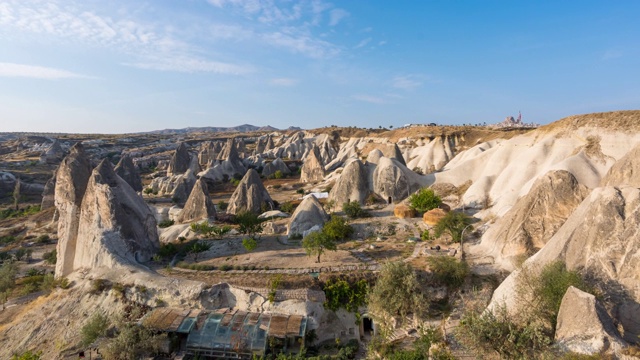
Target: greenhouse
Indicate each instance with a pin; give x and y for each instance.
(230, 334)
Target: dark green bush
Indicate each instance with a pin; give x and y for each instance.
(424, 200)
(354, 210)
(448, 271)
(165, 223)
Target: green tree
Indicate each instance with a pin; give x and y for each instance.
(354, 210)
(448, 271)
(197, 248)
(396, 293)
(249, 224)
(8, 273)
(317, 243)
(424, 200)
(453, 224)
(337, 228)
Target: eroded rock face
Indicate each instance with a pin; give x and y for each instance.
(180, 161)
(274, 166)
(128, 172)
(116, 227)
(71, 183)
(199, 205)
(312, 169)
(250, 195)
(352, 185)
(392, 180)
(535, 218)
(625, 171)
(600, 238)
(307, 215)
(583, 325)
(228, 164)
(48, 194)
(53, 154)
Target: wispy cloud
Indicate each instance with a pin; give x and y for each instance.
(286, 82)
(407, 82)
(37, 72)
(150, 45)
(370, 99)
(336, 15)
(301, 43)
(363, 43)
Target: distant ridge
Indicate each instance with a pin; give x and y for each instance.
(240, 128)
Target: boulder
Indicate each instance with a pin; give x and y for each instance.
(312, 169)
(72, 177)
(395, 153)
(275, 165)
(535, 218)
(199, 205)
(180, 161)
(352, 185)
(584, 327)
(273, 214)
(433, 216)
(307, 215)
(250, 195)
(402, 211)
(128, 172)
(116, 228)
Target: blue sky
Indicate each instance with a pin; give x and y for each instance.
(127, 66)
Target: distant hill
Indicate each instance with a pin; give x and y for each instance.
(240, 128)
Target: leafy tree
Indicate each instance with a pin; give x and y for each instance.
(448, 270)
(132, 342)
(8, 273)
(204, 228)
(96, 327)
(424, 200)
(337, 228)
(353, 210)
(396, 293)
(317, 243)
(199, 247)
(453, 224)
(248, 223)
(341, 293)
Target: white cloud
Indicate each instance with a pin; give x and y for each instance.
(36, 72)
(363, 43)
(336, 15)
(370, 99)
(287, 82)
(407, 82)
(383, 42)
(192, 65)
(150, 45)
(302, 44)
(612, 54)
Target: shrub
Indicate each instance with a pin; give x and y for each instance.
(168, 250)
(28, 355)
(453, 224)
(98, 286)
(274, 284)
(288, 207)
(425, 235)
(132, 342)
(277, 186)
(354, 210)
(497, 331)
(222, 205)
(165, 223)
(43, 239)
(226, 267)
(199, 247)
(342, 294)
(278, 174)
(148, 190)
(300, 191)
(234, 182)
(249, 224)
(418, 170)
(249, 243)
(448, 271)
(337, 228)
(5, 240)
(96, 327)
(424, 200)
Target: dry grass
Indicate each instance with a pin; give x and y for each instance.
(627, 120)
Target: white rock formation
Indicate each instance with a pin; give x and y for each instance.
(307, 215)
(250, 195)
(199, 205)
